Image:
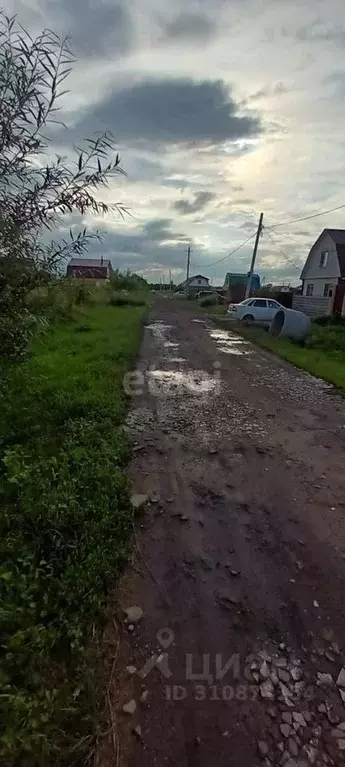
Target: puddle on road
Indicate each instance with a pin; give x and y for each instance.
(158, 329)
(195, 381)
(229, 343)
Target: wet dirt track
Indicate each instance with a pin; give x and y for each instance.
(241, 554)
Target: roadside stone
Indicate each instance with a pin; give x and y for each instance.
(130, 628)
(285, 730)
(264, 670)
(333, 718)
(133, 614)
(287, 717)
(183, 517)
(325, 680)
(281, 662)
(263, 748)
(138, 731)
(131, 670)
(293, 747)
(296, 674)
(144, 696)
(272, 712)
(342, 695)
(322, 708)
(286, 693)
(335, 648)
(138, 500)
(337, 732)
(341, 745)
(283, 675)
(130, 707)
(299, 718)
(330, 656)
(267, 690)
(341, 678)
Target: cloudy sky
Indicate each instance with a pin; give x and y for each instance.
(220, 109)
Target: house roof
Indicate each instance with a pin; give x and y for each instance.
(90, 262)
(196, 277)
(338, 237)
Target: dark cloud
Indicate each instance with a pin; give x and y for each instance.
(95, 27)
(200, 200)
(169, 111)
(190, 26)
(136, 248)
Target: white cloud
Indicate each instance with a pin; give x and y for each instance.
(279, 63)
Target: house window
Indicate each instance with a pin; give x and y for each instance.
(328, 290)
(199, 282)
(310, 289)
(324, 259)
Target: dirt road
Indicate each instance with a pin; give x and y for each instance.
(241, 576)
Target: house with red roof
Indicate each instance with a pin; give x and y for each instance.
(91, 270)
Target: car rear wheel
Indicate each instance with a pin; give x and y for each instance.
(248, 318)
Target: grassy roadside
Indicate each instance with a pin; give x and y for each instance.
(323, 354)
(65, 524)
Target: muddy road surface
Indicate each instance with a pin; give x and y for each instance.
(239, 566)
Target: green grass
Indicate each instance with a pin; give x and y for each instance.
(65, 523)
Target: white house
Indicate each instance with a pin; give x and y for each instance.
(323, 275)
(196, 283)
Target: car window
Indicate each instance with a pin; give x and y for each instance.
(273, 304)
(260, 302)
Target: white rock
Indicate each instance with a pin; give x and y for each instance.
(130, 707)
(299, 718)
(341, 678)
(315, 603)
(296, 674)
(144, 696)
(138, 500)
(324, 680)
(264, 671)
(131, 670)
(133, 614)
(267, 690)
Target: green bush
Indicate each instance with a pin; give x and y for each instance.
(209, 301)
(126, 299)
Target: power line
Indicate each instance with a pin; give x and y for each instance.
(295, 266)
(206, 266)
(306, 218)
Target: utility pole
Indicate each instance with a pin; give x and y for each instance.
(170, 280)
(188, 262)
(254, 256)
